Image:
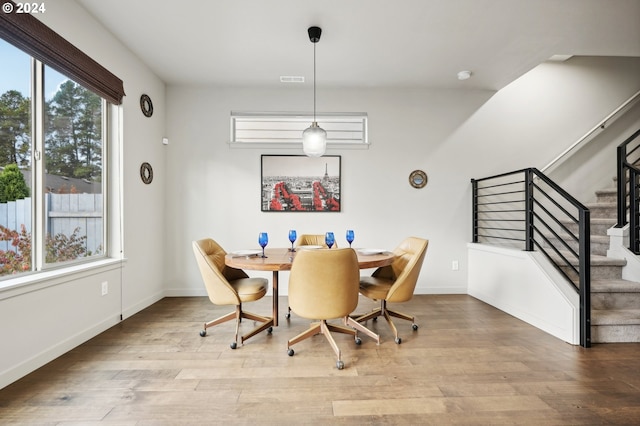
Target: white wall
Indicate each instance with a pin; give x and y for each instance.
(453, 135)
(538, 116)
(593, 166)
(50, 316)
(216, 191)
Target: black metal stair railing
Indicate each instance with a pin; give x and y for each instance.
(525, 209)
(628, 176)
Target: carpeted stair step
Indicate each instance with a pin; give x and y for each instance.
(602, 267)
(615, 294)
(608, 195)
(615, 325)
(603, 210)
(599, 243)
(599, 225)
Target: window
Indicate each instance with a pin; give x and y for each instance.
(52, 166)
(16, 211)
(285, 129)
(73, 172)
(53, 146)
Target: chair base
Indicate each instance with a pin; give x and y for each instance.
(359, 327)
(352, 323)
(238, 314)
(323, 327)
(387, 313)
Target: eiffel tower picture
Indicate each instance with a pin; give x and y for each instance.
(296, 183)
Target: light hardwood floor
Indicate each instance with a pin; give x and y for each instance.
(468, 363)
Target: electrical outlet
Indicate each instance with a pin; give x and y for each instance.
(105, 288)
(454, 265)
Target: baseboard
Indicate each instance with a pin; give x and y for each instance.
(145, 303)
(31, 364)
(440, 290)
(192, 292)
(186, 292)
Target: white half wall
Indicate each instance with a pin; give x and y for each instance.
(525, 285)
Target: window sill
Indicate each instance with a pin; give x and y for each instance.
(41, 280)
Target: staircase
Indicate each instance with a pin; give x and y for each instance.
(615, 303)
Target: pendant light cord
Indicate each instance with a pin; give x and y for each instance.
(314, 81)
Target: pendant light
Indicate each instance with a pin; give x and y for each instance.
(314, 138)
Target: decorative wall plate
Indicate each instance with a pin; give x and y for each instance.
(146, 105)
(146, 173)
(418, 179)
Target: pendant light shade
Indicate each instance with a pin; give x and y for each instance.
(314, 138)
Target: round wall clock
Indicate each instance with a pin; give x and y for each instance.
(418, 179)
(146, 173)
(146, 105)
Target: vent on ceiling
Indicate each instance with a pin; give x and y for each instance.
(291, 79)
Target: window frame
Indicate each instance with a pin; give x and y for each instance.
(38, 184)
(38, 166)
(285, 129)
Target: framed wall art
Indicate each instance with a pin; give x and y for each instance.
(297, 183)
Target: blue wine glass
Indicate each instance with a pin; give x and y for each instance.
(263, 240)
(350, 236)
(292, 237)
(330, 239)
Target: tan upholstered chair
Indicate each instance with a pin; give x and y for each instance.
(396, 282)
(310, 240)
(313, 240)
(229, 286)
(323, 285)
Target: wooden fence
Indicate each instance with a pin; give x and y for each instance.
(65, 213)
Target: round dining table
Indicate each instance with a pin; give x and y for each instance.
(281, 259)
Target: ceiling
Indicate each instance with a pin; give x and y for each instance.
(365, 43)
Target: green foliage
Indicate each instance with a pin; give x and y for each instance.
(12, 184)
(13, 262)
(15, 128)
(74, 132)
(62, 247)
(59, 248)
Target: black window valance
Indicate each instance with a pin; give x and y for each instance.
(33, 37)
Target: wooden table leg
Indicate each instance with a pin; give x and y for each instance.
(274, 284)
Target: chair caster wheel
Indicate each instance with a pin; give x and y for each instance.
(203, 333)
(339, 365)
(398, 340)
(414, 326)
(358, 341)
(290, 352)
(233, 345)
(270, 330)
